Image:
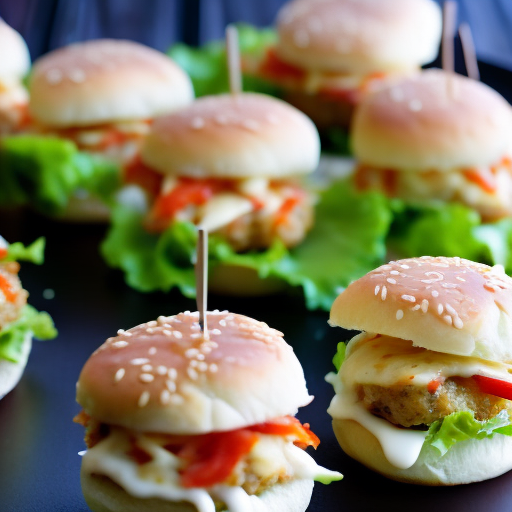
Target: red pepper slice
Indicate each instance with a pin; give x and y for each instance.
(274, 67)
(3, 253)
(495, 387)
(289, 426)
(139, 174)
(6, 288)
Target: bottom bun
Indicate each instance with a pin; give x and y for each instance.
(10, 373)
(104, 495)
(467, 461)
(242, 282)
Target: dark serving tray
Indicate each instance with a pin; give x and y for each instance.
(39, 443)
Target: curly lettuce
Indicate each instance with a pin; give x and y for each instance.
(44, 172)
(347, 241)
(33, 253)
(207, 65)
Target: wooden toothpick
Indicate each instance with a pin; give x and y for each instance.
(449, 27)
(202, 279)
(233, 50)
(468, 49)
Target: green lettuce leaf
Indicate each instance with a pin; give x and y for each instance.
(13, 335)
(207, 65)
(339, 357)
(45, 171)
(460, 426)
(33, 253)
(346, 242)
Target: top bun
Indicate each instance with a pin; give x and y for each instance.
(433, 120)
(164, 377)
(15, 61)
(359, 37)
(104, 81)
(233, 136)
(449, 305)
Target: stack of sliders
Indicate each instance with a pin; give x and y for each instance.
(177, 420)
(19, 322)
(424, 392)
(229, 164)
(437, 136)
(14, 65)
(331, 53)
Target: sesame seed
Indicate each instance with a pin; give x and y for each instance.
(396, 94)
(440, 309)
(450, 310)
(447, 319)
(194, 363)
(409, 298)
(192, 373)
(449, 285)
(191, 352)
(415, 105)
(399, 314)
(196, 335)
(120, 344)
(139, 361)
(213, 368)
(202, 366)
(395, 273)
(197, 123)
(167, 332)
(172, 373)
(435, 293)
(153, 323)
(415, 308)
(120, 332)
(161, 370)
(460, 279)
(165, 396)
(152, 351)
(171, 385)
(176, 399)
(128, 334)
(200, 357)
(54, 76)
(119, 374)
(223, 323)
(384, 293)
(144, 399)
(77, 76)
(146, 368)
(390, 280)
(251, 125)
(146, 377)
(424, 305)
(215, 331)
(457, 322)
(405, 266)
(206, 349)
(195, 327)
(149, 330)
(377, 289)
(177, 334)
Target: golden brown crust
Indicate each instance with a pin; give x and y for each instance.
(233, 136)
(432, 121)
(449, 305)
(105, 80)
(164, 376)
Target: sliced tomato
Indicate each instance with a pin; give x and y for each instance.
(495, 387)
(288, 206)
(213, 457)
(3, 253)
(433, 385)
(6, 288)
(139, 174)
(289, 426)
(274, 67)
(484, 180)
(112, 138)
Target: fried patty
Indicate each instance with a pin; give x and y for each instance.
(410, 405)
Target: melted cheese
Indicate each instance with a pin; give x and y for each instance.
(159, 478)
(222, 209)
(386, 361)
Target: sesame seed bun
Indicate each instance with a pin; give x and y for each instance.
(15, 61)
(103, 495)
(432, 121)
(233, 136)
(10, 373)
(105, 81)
(163, 376)
(359, 37)
(449, 305)
(468, 461)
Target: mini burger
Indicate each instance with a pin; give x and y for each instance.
(230, 164)
(331, 53)
(19, 322)
(424, 393)
(437, 136)
(14, 65)
(103, 94)
(178, 421)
